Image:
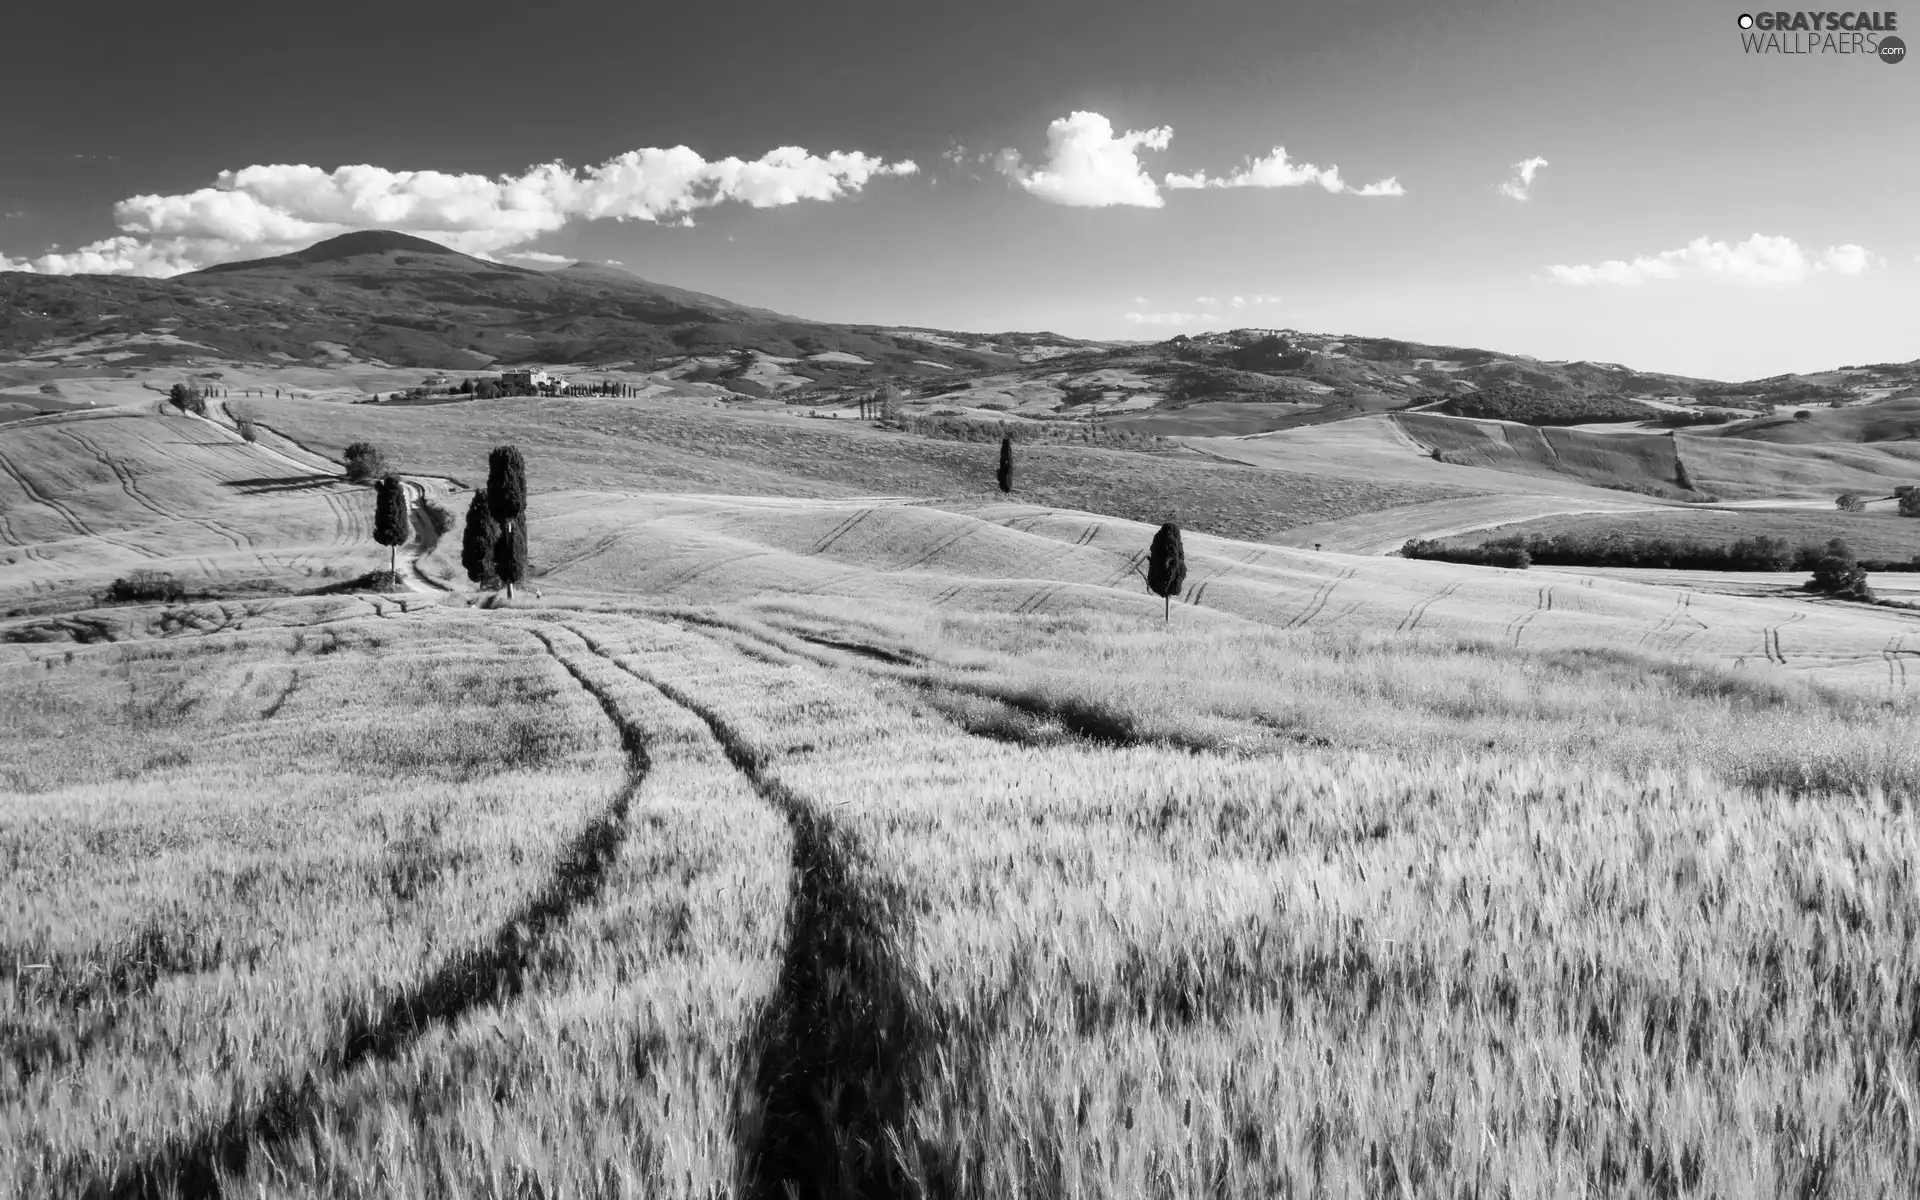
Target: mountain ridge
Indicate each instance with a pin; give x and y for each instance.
(392, 298)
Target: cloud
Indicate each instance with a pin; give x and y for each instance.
(1277, 171)
(1849, 259)
(1522, 182)
(265, 210)
(1390, 186)
(1169, 318)
(1207, 301)
(1758, 260)
(1088, 165)
(1257, 300)
(537, 256)
(1141, 300)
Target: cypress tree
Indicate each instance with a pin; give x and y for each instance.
(507, 501)
(1006, 463)
(476, 542)
(390, 518)
(506, 484)
(1166, 567)
(510, 555)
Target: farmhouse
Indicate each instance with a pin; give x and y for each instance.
(534, 380)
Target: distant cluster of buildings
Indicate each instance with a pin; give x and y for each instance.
(540, 381)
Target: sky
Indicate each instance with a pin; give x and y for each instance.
(1623, 182)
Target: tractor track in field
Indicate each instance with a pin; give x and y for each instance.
(1038, 600)
(940, 547)
(947, 595)
(1319, 599)
(1653, 632)
(1770, 639)
(1543, 603)
(701, 569)
(1896, 665)
(839, 531)
(1092, 531)
(33, 493)
(598, 548)
(1131, 570)
(482, 975)
(120, 473)
(839, 1047)
(279, 702)
(1418, 612)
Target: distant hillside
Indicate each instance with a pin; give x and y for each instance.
(394, 300)
(1892, 420)
(404, 301)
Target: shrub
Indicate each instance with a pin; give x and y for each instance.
(1836, 574)
(1909, 501)
(1802, 415)
(1489, 555)
(145, 587)
(439, 517)
(1848, 502)
(365, 462)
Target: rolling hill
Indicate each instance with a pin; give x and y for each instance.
(390, 300)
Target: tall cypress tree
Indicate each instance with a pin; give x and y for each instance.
(1006, 463)
(476, 542)
(507, 501)
(1166, 567)
(390, 524)
(510, 555)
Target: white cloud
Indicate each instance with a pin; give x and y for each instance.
(264, 210)
(1141, 301)
(1207, 301)
(1849, 259)
(537, 256)
(1758, 260)
(1088, 165)
(1169, 318)
(1390, 186)
(1258, 299)
(1521, 185)
(1276, 171)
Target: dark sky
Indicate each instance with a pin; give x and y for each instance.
(1659, 134)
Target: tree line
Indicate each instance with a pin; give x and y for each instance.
(1761, 553)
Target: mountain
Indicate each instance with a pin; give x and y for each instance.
(398, 300)
(405, 301)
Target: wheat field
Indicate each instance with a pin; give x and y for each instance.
(617, 899)
(852, 845)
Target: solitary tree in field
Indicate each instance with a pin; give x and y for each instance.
(1909, 500)
(1848, 502)
(390, 518)
(476, 542)
(1166, 567)
(507, 501)
(1006, 463)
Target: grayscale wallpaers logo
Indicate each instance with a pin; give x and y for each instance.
(1869, 34)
